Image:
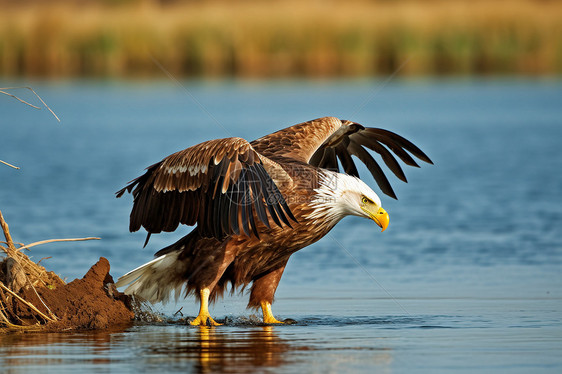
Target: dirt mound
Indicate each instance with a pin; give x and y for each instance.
(91, 302)
(34, 299)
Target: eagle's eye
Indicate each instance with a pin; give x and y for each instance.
(365, 200)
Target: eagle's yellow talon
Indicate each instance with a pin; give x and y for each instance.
(267, 315)
(271, 320)
(204, 318)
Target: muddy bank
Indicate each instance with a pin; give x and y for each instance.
(91, 302)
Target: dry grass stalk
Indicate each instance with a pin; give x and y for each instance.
(45, 317)
(27, 246)
(10, 165)
(9, 241)
(4, 89)
(35, 275)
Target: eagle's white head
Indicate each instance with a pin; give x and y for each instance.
(340, 195)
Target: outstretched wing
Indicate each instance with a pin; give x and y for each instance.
(217, 185)
(321, 142)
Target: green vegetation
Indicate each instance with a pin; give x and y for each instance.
(279, 38)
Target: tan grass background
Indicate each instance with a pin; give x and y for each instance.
(279, 38)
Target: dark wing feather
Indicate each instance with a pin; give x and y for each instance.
(348, 139)
(250, 211)
(276, 200)
(328, 159)
(244, 203)
(345, 158)
(224, 214)
(387, 157)
(216, 184)
(262, 175)
(404, 156)
(373, 167)
(398, 141)
(259, 200)
(234, 195)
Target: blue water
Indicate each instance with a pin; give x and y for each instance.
(467, 277)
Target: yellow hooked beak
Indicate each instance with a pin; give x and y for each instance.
(381, 218)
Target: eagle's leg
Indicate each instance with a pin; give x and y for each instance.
(263, 291)
(204, 317)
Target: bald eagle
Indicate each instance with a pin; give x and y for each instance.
(254, 204)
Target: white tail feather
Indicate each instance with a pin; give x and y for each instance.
(155, 280)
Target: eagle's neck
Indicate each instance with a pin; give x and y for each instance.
(330, 201)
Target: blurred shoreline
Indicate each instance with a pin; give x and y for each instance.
(258, 38)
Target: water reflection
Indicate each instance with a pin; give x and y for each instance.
(180, 348)
(222, 349)
(172, 347)
(20, 352)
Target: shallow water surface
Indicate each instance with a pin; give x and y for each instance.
(465, 279)
(444, 335)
